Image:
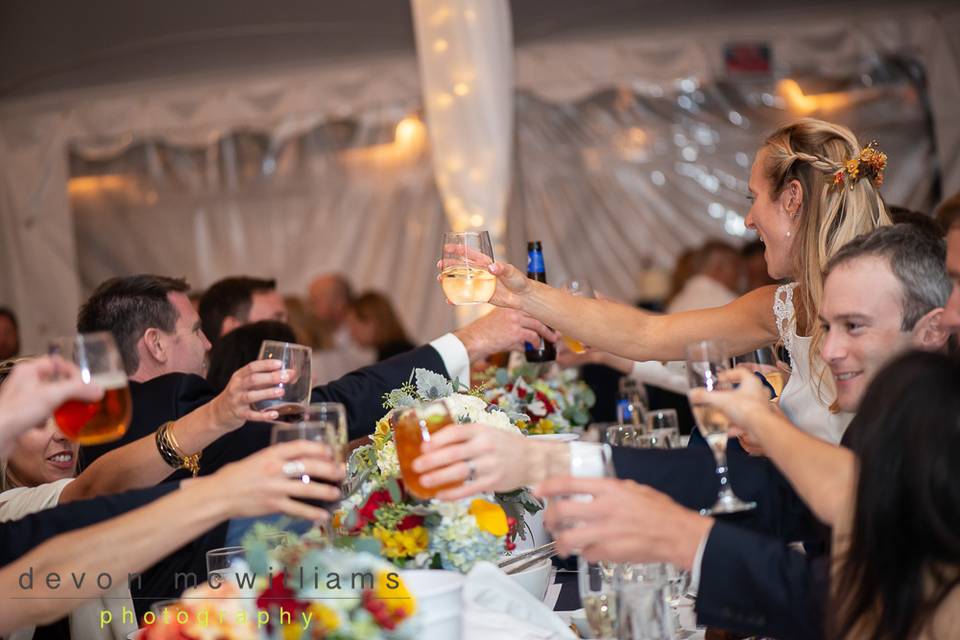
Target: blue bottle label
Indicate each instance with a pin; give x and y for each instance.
(535, 262)
(626, 410)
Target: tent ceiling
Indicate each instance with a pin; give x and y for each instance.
(50, 45)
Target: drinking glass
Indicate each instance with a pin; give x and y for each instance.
(99, 360)
(598, 594)
(622, 435)
(765, 360)
(706, 360)
(665, 425)
(411, 428)
(296, 391)
(223, 562)
(644, 610)
(464, 261)
(578, 287)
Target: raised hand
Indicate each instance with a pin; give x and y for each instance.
(502, 330)
(249, 384)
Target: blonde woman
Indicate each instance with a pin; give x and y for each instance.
(813, 188)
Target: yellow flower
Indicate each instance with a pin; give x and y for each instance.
(292, 631)
(489, 516)
(381, 432)
(324, 618)
(546, 426)
(396, 598)
(402, 544)
(337, 519)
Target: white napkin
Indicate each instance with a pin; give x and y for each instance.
(494, 606)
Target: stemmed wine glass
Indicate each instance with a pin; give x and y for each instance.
(464, 261)
(706, 360)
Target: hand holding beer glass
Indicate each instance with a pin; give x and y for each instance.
(98, 359)
(296, 390)
(411, 428)
(464, 262)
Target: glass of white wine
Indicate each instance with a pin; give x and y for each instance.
(706, 360)
(464, 267)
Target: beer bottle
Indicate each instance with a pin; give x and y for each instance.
(544, 350)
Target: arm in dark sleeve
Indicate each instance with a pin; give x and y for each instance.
(689, 476)
(362, 391)
(17, 537)
(754, 584)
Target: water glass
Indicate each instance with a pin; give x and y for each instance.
(598, 594)
(222, 562)
(296, 391)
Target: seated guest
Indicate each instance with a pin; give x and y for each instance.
(9, 334)
(329, 297)
(948, 215)
(233, 302)
(262, 484)
(882, 295)
(375, 325)
(164, 350)
(242, 346)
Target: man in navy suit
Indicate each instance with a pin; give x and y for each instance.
(883, 295)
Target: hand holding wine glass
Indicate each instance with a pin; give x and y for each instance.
(465, 259)
(707, 364)
(295, 371)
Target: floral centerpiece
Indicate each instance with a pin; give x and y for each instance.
(301, 589)
(541, 405)
(429, 534)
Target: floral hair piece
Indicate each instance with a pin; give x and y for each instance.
(870, 164)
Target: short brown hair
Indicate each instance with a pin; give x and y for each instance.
(948, 213)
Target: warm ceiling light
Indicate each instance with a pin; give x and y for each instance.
(804, 104)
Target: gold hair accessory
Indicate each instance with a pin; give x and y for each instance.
(870, 164)
(171, 453)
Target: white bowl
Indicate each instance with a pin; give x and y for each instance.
(535, 579)
(437, 592)
(557, 437)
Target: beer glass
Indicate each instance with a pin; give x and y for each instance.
(706, 360)
(411, 428)
(764, 361)
(464, 260)
(577, 287)
(296, 391)
(99, 360)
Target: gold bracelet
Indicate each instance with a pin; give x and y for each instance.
(171, 452)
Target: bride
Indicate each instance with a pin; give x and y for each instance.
(813, 188)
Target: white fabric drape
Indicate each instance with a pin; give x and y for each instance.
(586, 228)
(466, 74)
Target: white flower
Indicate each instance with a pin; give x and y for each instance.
(387, 460)
(537, 408)
(473, 409)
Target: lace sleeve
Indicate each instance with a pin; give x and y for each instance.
(783, 312)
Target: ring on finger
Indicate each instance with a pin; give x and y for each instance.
(295, 469)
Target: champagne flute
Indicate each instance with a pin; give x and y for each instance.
(295, 359)
(99, 360)
(579, 287)
(464, 261)
(706, 360)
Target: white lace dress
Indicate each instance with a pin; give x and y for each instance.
(799, 400)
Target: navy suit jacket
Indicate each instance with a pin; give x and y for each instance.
(751, 580)
(174, 395)
(18, 537)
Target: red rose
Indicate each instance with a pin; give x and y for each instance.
(278, 595)
(367, 513)
(409, 522)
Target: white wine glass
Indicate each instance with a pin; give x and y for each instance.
(706, 360)
(465, 259)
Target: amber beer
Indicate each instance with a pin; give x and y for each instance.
(412, 428)
(97, 422)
